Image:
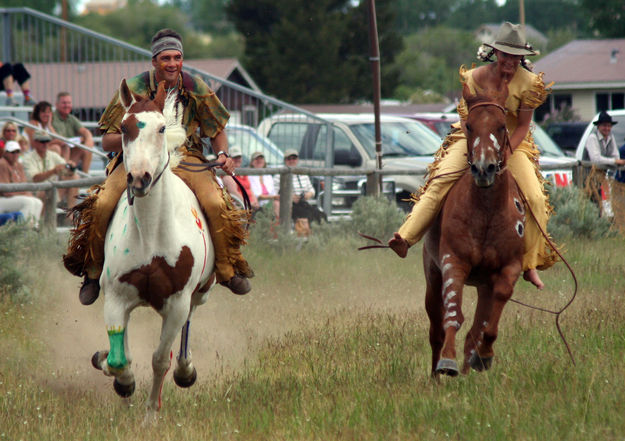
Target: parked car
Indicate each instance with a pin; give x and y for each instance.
(250, 141)
(618, 131)
(405, 144)
(566, 134)
(440, 123)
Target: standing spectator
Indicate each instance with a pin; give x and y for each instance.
(68, 126)
(262, 186)
(42, 165)
(12, 172)
(9, 73)
(9, 133)
(231, 185)
(42, 119)
(601, 146)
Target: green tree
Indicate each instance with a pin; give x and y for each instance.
(45, 6)
(206, 15)
(414, 15)
(606, 17)
(304, 52)
(431, 58)
(546, 15)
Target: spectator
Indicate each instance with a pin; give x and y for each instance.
(9, 133)
(302, 187)
(303, 213)
(601, 146)
(23, 142)
(262, 186)
(42, 165)
(9, 73)
(231, 185)
(42, 119)
(12, 172)
(68, 126)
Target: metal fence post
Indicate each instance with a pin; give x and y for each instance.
(286, 199)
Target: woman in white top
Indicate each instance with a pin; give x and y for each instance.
(42, 118)
(262, 186)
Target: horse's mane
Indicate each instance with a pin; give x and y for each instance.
(176, 134)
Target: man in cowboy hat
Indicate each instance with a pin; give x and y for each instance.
(601, 146)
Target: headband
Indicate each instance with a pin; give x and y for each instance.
(165, 44)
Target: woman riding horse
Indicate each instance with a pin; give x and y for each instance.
(526, 91)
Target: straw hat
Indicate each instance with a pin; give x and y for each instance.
(510, 39)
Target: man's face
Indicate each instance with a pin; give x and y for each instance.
(40, 147)
(12, 157)
(604, 129)
(168, 65)
(64, 105)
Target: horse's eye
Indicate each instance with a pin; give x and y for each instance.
(468, 127)
(124, 130)
(162, 130)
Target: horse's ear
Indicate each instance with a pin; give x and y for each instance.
(125, 95)
(161, 94)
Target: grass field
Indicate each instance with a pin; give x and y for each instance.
(331, 344)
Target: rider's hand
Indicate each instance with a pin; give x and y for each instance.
(399, 245)
(226, 163)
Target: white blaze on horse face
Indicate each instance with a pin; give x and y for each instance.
(143, 152)
(495, 142)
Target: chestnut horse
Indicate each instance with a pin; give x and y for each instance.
(158, 251)
(477, 240)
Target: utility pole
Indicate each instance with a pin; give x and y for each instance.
(522, 13)
(375, 68)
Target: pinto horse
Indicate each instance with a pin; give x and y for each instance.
(158, 250)
(477, 240)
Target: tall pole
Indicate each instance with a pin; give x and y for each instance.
(375, 68)
(522, 13)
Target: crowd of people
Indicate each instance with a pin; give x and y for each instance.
(34, 154)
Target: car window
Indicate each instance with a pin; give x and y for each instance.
(545, 144)
(399, 138)
(249, 141)
(341, 143)
(288, 135)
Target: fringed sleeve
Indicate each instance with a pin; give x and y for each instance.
(111, 119)
(537, 92)
(462, 109)
(211, 113)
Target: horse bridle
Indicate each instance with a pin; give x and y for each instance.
(129, 194)
(506, 138)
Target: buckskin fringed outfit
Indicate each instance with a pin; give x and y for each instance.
(203, 110)
(525, 88)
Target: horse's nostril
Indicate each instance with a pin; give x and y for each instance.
(474, 169)
(491, 168)
(146, 179)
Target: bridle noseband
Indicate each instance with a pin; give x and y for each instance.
(131, 197)
(506, 138)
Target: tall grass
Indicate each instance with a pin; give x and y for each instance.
(334, 347)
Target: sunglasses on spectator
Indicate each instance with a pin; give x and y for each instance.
(10, 130)
(290, 158)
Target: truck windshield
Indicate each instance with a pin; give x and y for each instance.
(399, 138)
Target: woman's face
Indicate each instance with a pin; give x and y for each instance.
(508, 63)
(9, 133)
(45, 116)
(258, 162)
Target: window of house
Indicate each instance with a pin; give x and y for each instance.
(610, 101)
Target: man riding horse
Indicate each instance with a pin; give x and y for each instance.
(203, 116)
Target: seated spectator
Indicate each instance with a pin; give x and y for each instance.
(42, 119)
(12, 172)
(303, 213)
(68, 126)
(42, 165)
(9, 73)
(601, 146)
(262, 186)
(9, 133)
(23, 142)
(231, 185)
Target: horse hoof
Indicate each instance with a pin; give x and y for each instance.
(96, 360)
(182, 381)
(480, 364)
(124, 390)
(447, 366)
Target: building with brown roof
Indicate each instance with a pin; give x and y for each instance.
(589, 76)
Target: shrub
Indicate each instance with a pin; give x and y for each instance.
(576, 215)
(376, 216)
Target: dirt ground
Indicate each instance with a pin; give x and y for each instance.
(224, 332)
